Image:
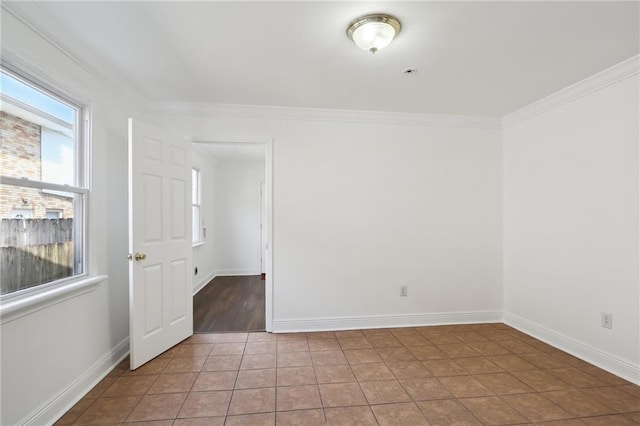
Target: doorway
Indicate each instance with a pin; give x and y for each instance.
(235, 220)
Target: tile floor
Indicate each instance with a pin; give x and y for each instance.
(465, 375)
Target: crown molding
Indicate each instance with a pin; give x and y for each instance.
(321, 114)
(34, 22)
(618, 72)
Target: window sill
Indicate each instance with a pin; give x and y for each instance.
(27, 305)
(201, 243)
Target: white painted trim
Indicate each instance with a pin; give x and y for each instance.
(237, 272)
(620, 367)
(21, 306)
(203, 282)
(577, 90)
(321, 114)
(385, 321)
(56, 406)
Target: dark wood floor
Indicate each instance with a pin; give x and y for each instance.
(230, 304)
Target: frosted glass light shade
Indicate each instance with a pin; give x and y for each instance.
(373, 32)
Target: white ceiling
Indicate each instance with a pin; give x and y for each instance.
(473, 58)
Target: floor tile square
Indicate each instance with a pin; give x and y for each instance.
(421, 389)
(108, 410)
(354, 343)
(444, 367)
(611, 420)
(539, 380)
(214, 381)
(254, 348)
(261, 337)
(423, 353)
(488, 348)
(334, 374)
(503, 383)
(615, 398)
(185, 365)
(578, 403)
(222, 363)
(349, 416)
(130, 385)
(447, 412)
(536, 408)
(294, 359)
(493, 410)
(575, 377)
(395, 354)
(157, 407)
(465, 386)
(227, 349)
(328, 358)
(296, 376)
(341, 395)
(384, 392)
(249, 401)
(258, 361)
(478, 365)
(252, 379)
(362, 356)
(260, 419)
(317, 345)
(458, 350)
(299, 346)
(314, 417)
(408, 369)
(298, 398)
(372, 372)
(196, 349)
(173, 383)
(399, 414)
(205, 404)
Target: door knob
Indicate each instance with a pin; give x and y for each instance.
(140, 256)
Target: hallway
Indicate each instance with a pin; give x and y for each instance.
(230, 304)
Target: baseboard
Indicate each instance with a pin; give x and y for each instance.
(59, 404)
(622, 368)
(385, 321)
(237, 272)
(200, 285)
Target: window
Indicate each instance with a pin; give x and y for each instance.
(53, 214)
(195, 206)
(41, 178)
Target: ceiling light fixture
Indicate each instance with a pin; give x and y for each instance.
(373, 32)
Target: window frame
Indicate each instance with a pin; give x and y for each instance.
(81, 187)
(196, 204)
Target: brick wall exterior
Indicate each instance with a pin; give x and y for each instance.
(20, 157)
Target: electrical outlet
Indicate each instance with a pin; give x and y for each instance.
(404, 290)
(607, 320)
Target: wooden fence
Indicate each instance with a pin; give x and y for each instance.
(34, 251)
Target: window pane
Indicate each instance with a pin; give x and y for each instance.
(195, 183)
(38, 134)
(33, 248)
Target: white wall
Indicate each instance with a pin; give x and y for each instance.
(204, 254)
(362, 208)
(236, 233)
(571, 226)
(52, 356)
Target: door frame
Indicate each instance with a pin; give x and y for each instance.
(268, 171)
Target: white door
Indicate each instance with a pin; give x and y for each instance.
(160, 279)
